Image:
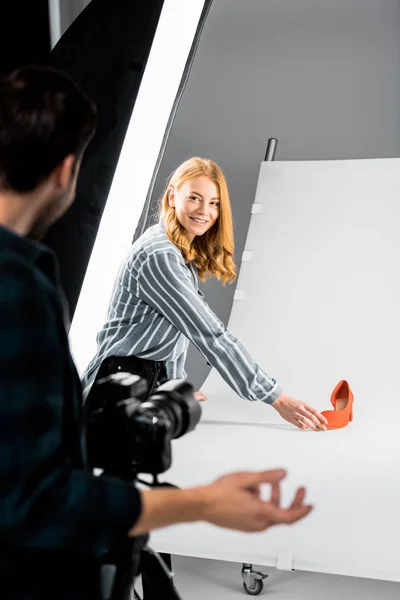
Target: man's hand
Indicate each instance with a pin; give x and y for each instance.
(232, 502)
(300, 414)
(200, 396)
(235, 503)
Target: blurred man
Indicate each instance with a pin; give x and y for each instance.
(56, 518)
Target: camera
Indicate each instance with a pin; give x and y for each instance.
(129, 427)
(130, 432)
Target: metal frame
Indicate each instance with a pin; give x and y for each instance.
(253, 580)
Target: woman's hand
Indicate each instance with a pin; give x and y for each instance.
(300, 414)
(200, 396)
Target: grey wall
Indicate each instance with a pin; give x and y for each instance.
(69, 11)
(323, 76)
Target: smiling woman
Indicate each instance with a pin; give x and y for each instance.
(157, 308)
(196, 211)
(197, 215)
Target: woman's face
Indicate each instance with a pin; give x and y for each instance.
(196, 205)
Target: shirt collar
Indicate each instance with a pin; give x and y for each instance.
(161, 223)
(37, 253)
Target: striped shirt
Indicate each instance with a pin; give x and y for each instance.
(156, 308)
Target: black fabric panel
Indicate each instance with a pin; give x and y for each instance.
(105, 51)
(150, 205)
(24, 33)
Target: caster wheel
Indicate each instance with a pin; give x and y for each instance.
(255, 589)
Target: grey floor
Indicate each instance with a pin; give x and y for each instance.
(198, 579)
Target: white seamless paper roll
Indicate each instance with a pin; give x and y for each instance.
(321, 304)
(320, 298)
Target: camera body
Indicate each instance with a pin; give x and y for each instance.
(129, 432)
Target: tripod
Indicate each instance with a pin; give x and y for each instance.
(122, 407)
(129, 560)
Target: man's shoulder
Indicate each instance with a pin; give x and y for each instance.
(15, 267)
(19, 277)
(30, 311)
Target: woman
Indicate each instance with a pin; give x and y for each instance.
(157, 308)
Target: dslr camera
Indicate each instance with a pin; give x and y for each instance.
(129, 432)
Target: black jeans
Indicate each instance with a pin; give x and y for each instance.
(155, 374)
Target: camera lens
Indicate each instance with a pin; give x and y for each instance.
(175, 401)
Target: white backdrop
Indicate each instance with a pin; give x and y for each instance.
(320, 302)
(322, 291)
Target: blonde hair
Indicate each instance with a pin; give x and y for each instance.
(212, 252)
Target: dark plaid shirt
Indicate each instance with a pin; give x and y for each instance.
(56, 518)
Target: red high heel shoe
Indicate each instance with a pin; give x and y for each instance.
(342, 400)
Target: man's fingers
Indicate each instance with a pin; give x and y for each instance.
(276, 494)
(299, 498)
(255, 491)
(297, 510)
(295, 514)
(251, 480)
(281, 516)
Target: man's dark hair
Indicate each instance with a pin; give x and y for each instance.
(44, 117)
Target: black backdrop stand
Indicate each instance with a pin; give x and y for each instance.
(105, 51)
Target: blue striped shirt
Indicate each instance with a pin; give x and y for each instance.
(156, 308)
